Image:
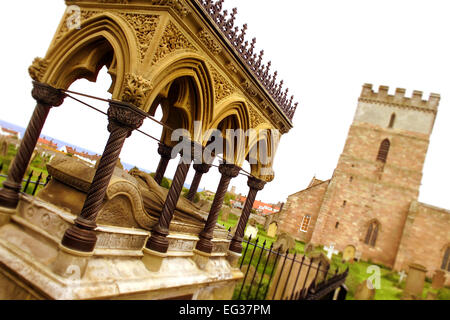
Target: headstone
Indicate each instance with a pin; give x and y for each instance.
(365, 291)
(252, 222)
(251, 231)
(431, 296)
(309, 247)
(285, 242)
(358, 255)
(438, 281)
(225, 213)
(322, 259)
(415, 281)
(268, 222)
(272, 230)
(330, 251)
(348, 255)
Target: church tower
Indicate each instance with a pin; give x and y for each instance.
(378, 174)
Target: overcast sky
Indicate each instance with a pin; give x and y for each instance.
(324, 50)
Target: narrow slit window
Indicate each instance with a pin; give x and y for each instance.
(384, 150)
(392, 121)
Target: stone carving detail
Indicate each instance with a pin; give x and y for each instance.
(249, 88)
(255, 118)
(38, 69)
(144, 26)
(120, 241)
(171, 41)
(65, 29)
(181, 245)
(178, 5)
(222, 87)
(232, 67)
(209, 42)
(136, 90)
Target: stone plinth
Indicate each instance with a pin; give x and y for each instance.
(35, 266)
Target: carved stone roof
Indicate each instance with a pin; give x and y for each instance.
(246, 52)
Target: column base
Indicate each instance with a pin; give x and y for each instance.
(5, 215)
(79, 240)
(9, 195)
(201, 259)
(153, 259)
(70, 263)
(233, 258)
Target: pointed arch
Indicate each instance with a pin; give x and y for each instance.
(184, 66)
(384, 150)
(373, 230)
(104, 39)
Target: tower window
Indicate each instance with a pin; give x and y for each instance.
(305, 223)
(392, 121)
(446, 260)
(384, 150)
(372, 234)
(344, 204)
(337, 225)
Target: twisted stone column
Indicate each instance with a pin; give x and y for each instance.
(255, 186)
(166, 155)
(228, 171)
(158, 241)
(123, 119)
(200, 170)
(46, 97)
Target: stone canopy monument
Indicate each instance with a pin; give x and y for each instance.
(102, 233)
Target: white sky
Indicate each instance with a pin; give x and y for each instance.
(325, 51)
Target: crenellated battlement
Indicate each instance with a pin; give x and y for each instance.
(399, 98)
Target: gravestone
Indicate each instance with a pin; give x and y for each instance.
(251, 231)
(349, 254)
(268, 222)
(285, 242)
(365, 291)
(415, 281)
(225, 213)
(438, 281)
(309, 248)
(358, 255)
(272, 230)
(330, 251)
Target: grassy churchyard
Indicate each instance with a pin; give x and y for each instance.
(391, 288)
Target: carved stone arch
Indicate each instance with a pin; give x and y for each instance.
(103, 39)
(232, 114)
(262, 137)
(184, 66)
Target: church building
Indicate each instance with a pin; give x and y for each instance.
(370, 206)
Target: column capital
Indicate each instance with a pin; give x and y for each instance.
(165, 151)
(229, 170)
(47, 95)
(202, 168)
(255, 183)
(125, 115)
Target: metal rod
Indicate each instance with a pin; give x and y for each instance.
(298, 276)
(281, 271)
(37, 184)
(288, 276)
(256, 271)
(273, 269)
(306, 278)
(248, 269)
(28, 182)
(245, 252)
(264, 271)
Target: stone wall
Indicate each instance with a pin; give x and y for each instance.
(299, 205)
(425, 238)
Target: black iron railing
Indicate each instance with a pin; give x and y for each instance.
(275, 275)
(30, 186)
